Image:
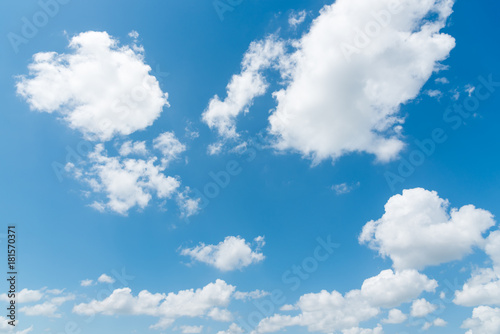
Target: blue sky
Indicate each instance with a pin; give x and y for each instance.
(308, 142)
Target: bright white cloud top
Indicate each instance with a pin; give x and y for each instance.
(244, 87)
(421, 308)
(360, 61)
(231, 254)
(101, 88)
(485, 320)
(347, 79)
(395, 316)
(330, 312)
(418, 230)
(125, 182)
(210, 301)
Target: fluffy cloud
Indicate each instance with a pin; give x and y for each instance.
(187, 205)
(418, 230)
(297, 18)
(360, 61)
(344, 188)
(48, 308)
(136, 148)
(483, 288)
(346, 79)
(24, 296)
(421, 308)
(485, 320)
(86, 282)
(438, 322)
(125, 182)
(105, 279)
(492, 248)
(395, 316)
(243, 88)
(357, 330)
(329, 312)
(6, 328)
(167, 307)
(231, 254)
(169, 146)
(101, 88)
(191, 329)
(233, 329)
(256, 294)
(390, 289)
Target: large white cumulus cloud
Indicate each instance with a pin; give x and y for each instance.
(331, 312)
(100, 88)
(360, 61)
(418, 230)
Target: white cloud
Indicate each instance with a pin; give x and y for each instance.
(357, 330)
(434, 93)
(188, 206)
(215, 148)
(442, 80)
(169, 146)
(330, 312)
(233, 329)
(469, 89)
(492, 248)
(219, 314)
(166, 307)
(121, 302)
(344, 188)
(191, 329)
(231, 254)
(125, 182)
(296, 18)
(133, 34)
(256, 294)
(25, 331)
(86, 282)
(421, 308)
(483, 288)
(136, 148)
(390, 289)
(24, 296)
(101, 88)
(55, 291)
(105, 279)
(6, 328)
(350, 75)
(485, 320)
(438, 322)
(418, 230)
(48, 308)
(243, 88)
(288, 307)
(395, 316)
